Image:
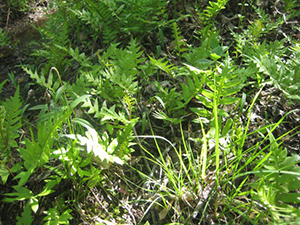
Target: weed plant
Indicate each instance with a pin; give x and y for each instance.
(124, 133)
(4, 39)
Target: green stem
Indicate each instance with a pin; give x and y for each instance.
(217, 149)
(2, 135)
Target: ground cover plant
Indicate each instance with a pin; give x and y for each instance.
(154, 112)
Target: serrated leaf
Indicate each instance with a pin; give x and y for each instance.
(26, 217)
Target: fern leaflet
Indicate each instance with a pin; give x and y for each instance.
(10, 122)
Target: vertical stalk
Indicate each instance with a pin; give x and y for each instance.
(203, 156)
(217, 133)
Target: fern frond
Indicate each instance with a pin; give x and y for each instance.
(41, 80)
(221, 86)
(105, 113)
(2, 85)
(99, 16)
(169, 69)
(10, 122)
(180, 42)
(56, 35)
(213, 9)
(92, 108)
(280, 173)
(111, 114)
(135, 50)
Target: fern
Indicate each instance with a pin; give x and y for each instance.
(179, 40)
(2, 85)
(213, 10)
(114, 77)
(207, 54)
(41, 79)
(260, 27)
(4, 39)
(105, 113)
(270, 62)
(221, 85)
(101, 17)
(10, 123)
(279, 182)
(37, 151)
(82, 59)
(56, 42)
(163, 65)
(114, 143)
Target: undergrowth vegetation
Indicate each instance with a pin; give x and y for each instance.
(155, 112)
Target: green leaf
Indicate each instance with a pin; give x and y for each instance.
(222, 112)
(208, 94)
(227, 127)
(79, 100)
(34, 203)
(10, 122)
(48, 187)
(162, 65)
(4, 173)
(187, 94)
(229, 100)
(290, 198)
(161, 101)
(24, 175)
(201, 112)
(205, 101)
(21, 194)
(230, 91)
(26, 218)
(214, 56)
(55, 218)
(17, 167)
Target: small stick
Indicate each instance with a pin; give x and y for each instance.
(7, 18)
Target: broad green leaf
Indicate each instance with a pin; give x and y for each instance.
(161, 101)
(201, 112)
(208, 94)
(204, 101)
(186, 92)
(48, 187)
(227, 127)
(290, 198)
(79, 100)
(26, 217)
(34, 204)
(232, 83)
(229, 100)
(215, 56)
(24, 175)
(4, 173)
(222, 112)
(21, 193)
(230, 91)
